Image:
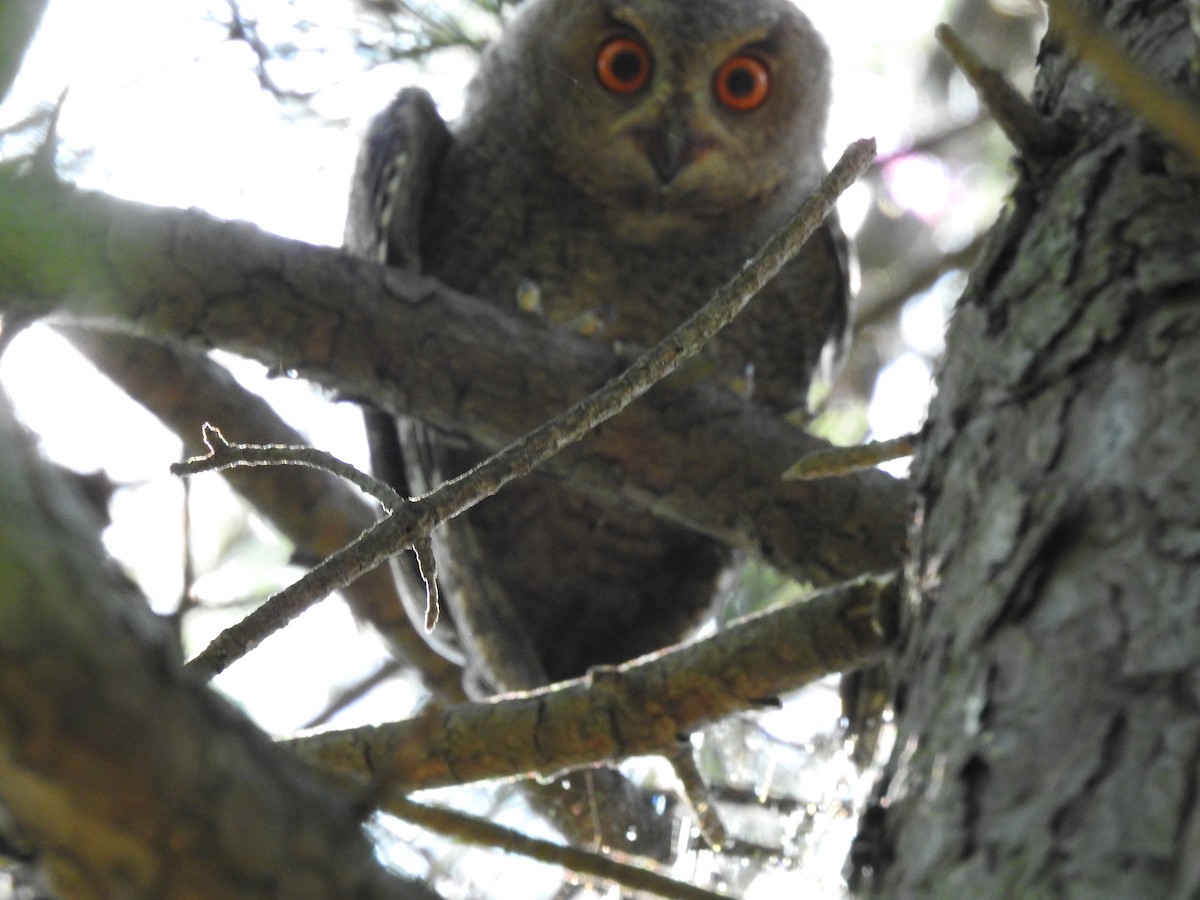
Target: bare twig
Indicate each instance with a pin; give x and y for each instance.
(344, 697)
(183, 387)
(932, 142)
(844, 460)
(383, 539)
(244, 29)
(475, 830)
(224, 455)
(427, 565)
(698, 796)
(878, 306)
(1031, 134)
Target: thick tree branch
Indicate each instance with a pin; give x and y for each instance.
(706, 458)
(642, 707)
(130, 778)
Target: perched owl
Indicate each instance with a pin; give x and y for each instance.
(616, 161)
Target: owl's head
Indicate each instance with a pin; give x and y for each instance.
(696, 107)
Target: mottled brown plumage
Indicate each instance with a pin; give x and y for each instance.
(615, 163)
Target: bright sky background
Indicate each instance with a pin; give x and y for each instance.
(163, 108)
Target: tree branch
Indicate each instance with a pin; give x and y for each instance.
(415, 347)
(641, 707)
(1032, 135)
(223, 455)
(485, 833)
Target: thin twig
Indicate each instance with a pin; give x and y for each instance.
(244, 29)
(224, 455)
(846, 460)
(335, 571)
(932, 141)
(352, 693)
(698, 796)
(475, 830)
(375, 545)
(427, 566)
(878, 306)
(144, 369)
(1025, 128)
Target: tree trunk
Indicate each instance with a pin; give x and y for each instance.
(1049, 683)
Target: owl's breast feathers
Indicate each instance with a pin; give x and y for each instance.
(641, 269)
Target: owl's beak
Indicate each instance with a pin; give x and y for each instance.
(671, 148)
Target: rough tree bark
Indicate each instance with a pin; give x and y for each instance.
(129, 778)
(1049, 698)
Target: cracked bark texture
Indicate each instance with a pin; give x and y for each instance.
(1049, 692)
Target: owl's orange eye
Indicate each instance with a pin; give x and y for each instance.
(623, 65)
(743, 83)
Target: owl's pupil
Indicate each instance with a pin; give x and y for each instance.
(740, 82)
(627, 66)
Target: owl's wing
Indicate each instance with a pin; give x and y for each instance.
(845, 263)
(396, 167)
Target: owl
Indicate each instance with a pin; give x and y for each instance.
(616, 161)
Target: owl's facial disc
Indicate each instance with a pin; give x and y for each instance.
(663, 135)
